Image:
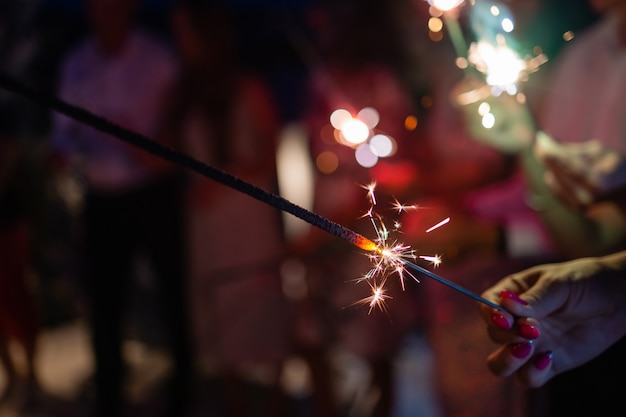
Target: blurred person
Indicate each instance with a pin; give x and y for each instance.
(21, 316)
(593, 113)
(225, 116)
(581, 102)
(19, 313)
(133, 200)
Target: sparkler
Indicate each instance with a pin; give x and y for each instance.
(393, 257)
(386, 257)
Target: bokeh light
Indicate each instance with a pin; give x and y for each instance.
(445, 5)
(410, 122)
(382, 145)
(435, 24)
(369, 116)
(500, 64)
(488, 120)
(339, 117)
(327, 162)
(355, 131)
(507, 25)
(365, 156)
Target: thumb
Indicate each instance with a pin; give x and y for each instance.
(544, 298)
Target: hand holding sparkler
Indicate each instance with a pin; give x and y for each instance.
(567, 314)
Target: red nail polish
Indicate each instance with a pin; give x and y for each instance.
(542, 360)
(512, 296)
(528, 331)
(499, 320)
(521, 350)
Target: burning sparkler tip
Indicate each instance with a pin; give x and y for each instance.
(367, 245)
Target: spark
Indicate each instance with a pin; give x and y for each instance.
(370, 192)
(388, 256)
(378, 298)
(438, 225)
(435, 260)
(403, 207)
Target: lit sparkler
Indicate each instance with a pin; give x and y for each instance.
(390, 257)
(501, 66)
(387, 258)
(502, 70)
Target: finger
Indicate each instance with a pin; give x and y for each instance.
(504, 337)
(537, 371)
(508, 359)
(543, 298)
(561, 190)
(527, 329)
(573, 187)
(523, 329)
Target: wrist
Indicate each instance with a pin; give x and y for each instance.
(615, 261)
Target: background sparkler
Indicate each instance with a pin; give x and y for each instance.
(380, 252)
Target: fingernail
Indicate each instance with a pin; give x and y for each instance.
(499, 320)
(521, 350)
(542, 360)
(512, 296)
(528, 331)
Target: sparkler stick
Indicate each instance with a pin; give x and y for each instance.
(451, 284)
(77, 113)
(456, 34)
(171, 155)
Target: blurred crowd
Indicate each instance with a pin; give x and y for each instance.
(253, 313)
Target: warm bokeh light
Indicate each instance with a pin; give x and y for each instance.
(568, 36)
(295, 176)
(435, 24)
(327, 162)
(339, 117)
(445, 5)
(355, 131)
(484, 108)
(435, 12)
(410, 122)
(435, 36)
(461, 63)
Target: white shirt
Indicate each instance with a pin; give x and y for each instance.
(127, 89)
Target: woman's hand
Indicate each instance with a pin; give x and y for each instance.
(562, 316)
